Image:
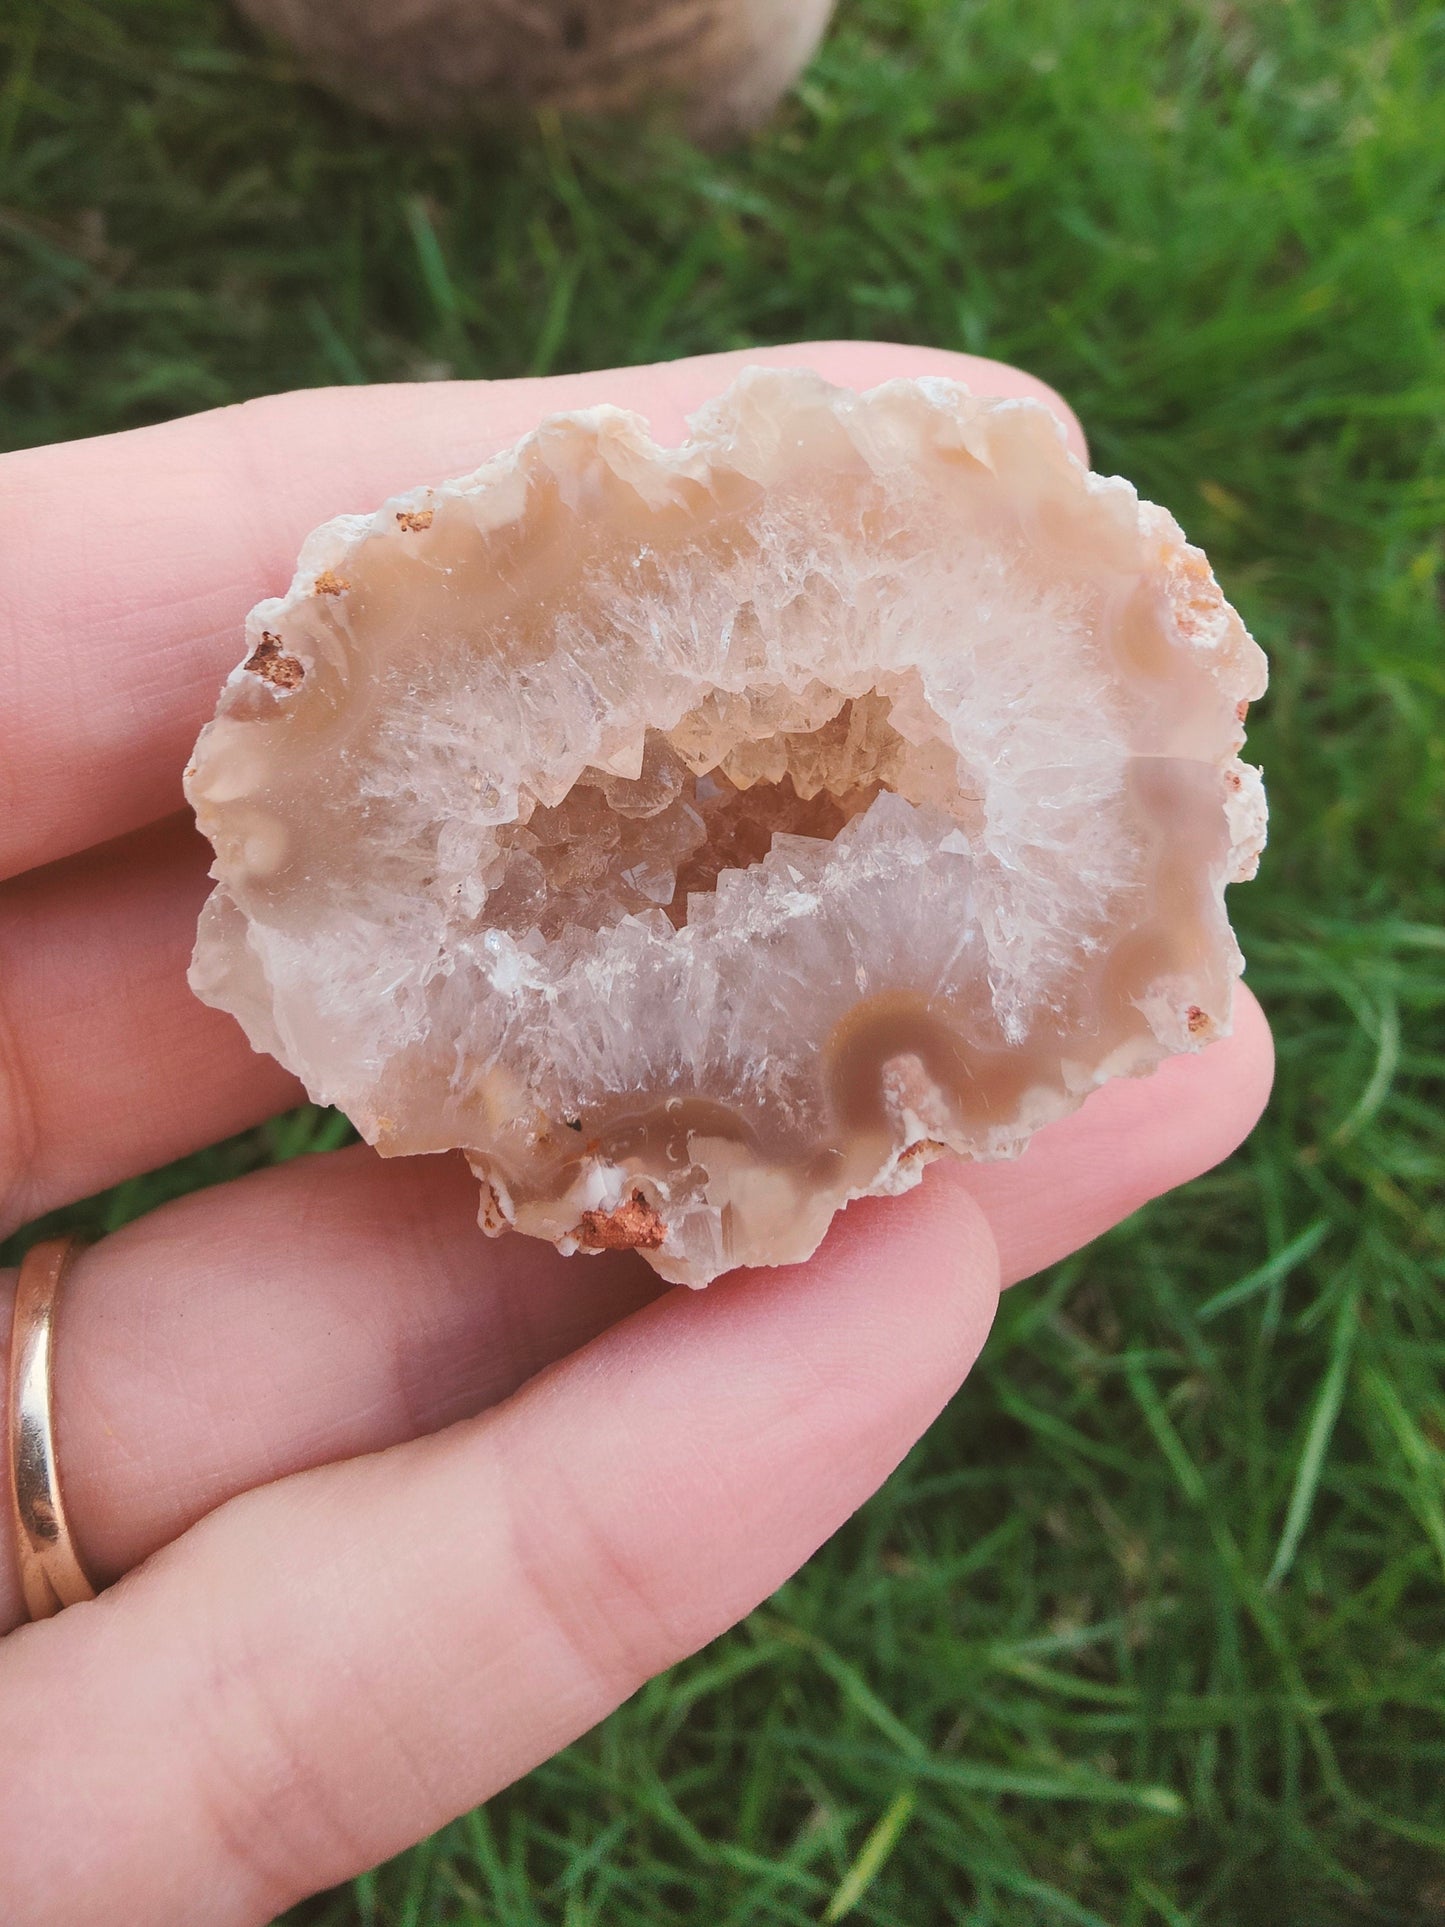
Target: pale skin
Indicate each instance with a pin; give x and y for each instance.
(388, 1512)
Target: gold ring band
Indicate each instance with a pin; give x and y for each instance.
(50, 1571)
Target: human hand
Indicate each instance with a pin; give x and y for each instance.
(401, 1511)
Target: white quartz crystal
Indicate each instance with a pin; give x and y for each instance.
(702, 837)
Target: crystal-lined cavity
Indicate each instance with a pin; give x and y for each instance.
(700, 838)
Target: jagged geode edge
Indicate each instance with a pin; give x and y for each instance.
(606, 1193)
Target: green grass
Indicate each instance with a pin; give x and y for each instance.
(1150, 1628)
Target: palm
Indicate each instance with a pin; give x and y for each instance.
(324, 1670)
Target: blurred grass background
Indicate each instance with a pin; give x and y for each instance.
(1150, 1628)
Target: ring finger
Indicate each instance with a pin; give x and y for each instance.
(341, 1304)
(311, 1312)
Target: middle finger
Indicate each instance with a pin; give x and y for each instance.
(109, 1066)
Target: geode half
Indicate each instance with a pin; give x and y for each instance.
(700, 838)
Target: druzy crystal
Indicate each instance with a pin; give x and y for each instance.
(700, 838)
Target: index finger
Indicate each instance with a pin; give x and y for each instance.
(131, 560)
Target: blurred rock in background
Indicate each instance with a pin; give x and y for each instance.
(720, 66)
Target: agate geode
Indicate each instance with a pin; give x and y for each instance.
(699, 838)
